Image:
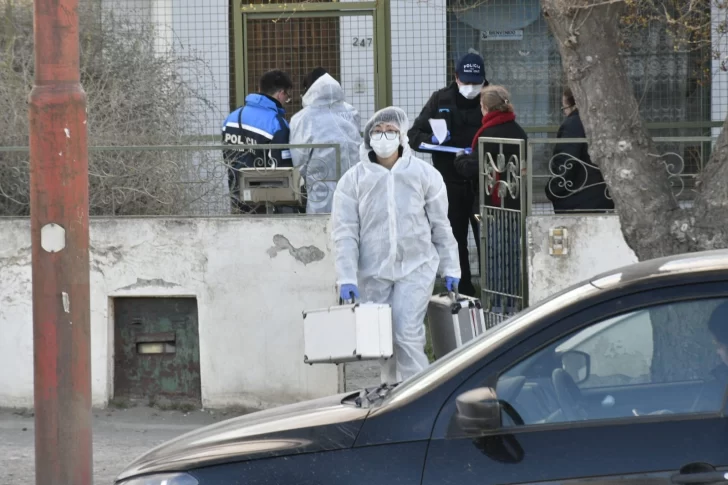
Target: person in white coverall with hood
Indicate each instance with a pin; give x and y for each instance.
(391, 235)
(325, 118)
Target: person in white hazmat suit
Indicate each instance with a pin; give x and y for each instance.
(391, 235)
(325, 118)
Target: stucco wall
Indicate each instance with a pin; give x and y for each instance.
(418, 35)
(252, 278)
(595, 244)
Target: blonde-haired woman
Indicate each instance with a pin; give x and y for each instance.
(503, 251)
(499, 121)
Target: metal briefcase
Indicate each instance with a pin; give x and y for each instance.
(454, 320)
(347, 333)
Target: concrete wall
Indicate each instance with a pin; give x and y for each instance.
(719, 81)
(419, 55)
(357, 63)
(595, 245)
(252, 278)
(419, 33)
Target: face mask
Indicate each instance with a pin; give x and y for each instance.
(385, 148)
(470, 91)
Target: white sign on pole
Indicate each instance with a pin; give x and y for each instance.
(501, 35)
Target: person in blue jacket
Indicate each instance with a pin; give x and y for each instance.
(260, 121)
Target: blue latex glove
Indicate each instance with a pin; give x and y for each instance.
(348, 292)
(468, 151)
(451, 283)
(435, 141)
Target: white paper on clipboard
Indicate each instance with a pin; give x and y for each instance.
(439, 129)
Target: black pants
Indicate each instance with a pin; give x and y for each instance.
(461, 199)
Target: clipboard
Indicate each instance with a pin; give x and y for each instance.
(440, 148)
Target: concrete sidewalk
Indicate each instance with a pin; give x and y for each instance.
(120, 435)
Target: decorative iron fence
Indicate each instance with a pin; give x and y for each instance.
(683, 158)
(525, 175)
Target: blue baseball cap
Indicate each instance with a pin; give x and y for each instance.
(470, 69)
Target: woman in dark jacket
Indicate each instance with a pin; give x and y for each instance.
(576, 184)
(502, 218)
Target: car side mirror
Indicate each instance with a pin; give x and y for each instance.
(478, 410)
(577, 364)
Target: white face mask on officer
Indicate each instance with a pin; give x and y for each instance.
(470, 91)
(384, 144)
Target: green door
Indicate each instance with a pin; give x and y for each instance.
(157, 349)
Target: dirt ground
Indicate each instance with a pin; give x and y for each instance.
(120, 435)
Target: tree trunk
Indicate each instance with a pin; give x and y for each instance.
(619, 143)
(652, 221)
(682, 347)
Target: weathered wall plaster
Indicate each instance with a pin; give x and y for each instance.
(595, 245)
(252, 278)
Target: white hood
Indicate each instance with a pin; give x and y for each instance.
(325, 91)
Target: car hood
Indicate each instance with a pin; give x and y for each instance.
(319, 425)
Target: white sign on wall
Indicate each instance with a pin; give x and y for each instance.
(501, 35)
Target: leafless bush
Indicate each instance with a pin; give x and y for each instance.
(139, 93)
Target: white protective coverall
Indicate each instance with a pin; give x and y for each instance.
(325, 118)
(391, 234)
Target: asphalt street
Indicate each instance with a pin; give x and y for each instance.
(120, 435)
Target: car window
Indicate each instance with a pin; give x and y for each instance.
(620, 350)
(667, 359)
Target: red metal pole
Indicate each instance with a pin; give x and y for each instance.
(59, 231)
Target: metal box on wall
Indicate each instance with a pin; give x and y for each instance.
(157, 349)
(273, 185)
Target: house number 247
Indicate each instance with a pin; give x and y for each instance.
(361, 42)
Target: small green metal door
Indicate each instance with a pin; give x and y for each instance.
(157, 349)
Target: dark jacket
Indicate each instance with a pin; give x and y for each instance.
(463, 117)
(468, 165)
(259, 122)
(713, 391)
(580, 187)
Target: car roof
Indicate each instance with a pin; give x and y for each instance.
(681, 264)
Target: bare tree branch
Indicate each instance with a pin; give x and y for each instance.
(138, 92)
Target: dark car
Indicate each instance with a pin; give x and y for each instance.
(617, 380)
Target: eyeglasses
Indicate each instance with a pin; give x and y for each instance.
(564, 108)
(389, 135)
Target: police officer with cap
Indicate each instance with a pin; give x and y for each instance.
(459, 105)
